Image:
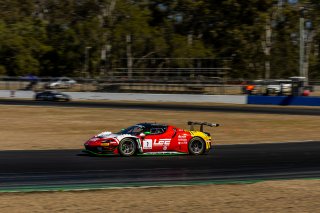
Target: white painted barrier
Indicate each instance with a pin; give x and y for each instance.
(182, 98)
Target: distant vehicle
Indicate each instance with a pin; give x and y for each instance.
(279, 87)
(151, 139)
(61, 83)
(293, 86)
(51, 96)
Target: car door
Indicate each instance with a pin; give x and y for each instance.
(45, 95)
(158, 140)
(50, 96)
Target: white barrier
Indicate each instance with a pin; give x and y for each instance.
(183, 98)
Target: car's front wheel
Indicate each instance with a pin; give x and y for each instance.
(196, 146)
(127, 147)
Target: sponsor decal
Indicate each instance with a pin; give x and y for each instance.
(149, 143)
(184, 142)
(182, 139)
(163, 153)
(162, 142)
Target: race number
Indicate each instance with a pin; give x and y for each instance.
(147, 144)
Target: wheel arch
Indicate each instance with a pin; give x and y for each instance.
(197, 136)
(137, 141)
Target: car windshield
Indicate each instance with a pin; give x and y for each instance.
(132, 130)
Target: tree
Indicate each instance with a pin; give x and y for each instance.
(22, 46)
(50, 37)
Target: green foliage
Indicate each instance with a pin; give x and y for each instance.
(2, 70)
(52, 37)
(22, 44)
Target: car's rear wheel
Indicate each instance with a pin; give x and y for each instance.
(127, 147)
(196, 146)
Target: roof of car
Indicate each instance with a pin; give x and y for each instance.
(151, 124)
(50, 91)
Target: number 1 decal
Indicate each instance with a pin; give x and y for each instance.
(147, 144)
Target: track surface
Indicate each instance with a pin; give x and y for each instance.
(163, 106)
(224, 163)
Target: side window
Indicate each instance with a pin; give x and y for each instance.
(157, 130)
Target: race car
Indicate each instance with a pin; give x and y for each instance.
(51, 96)
(151, 139)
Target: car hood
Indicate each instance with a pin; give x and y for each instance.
(106, 134)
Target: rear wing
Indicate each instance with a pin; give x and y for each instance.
(192, 123)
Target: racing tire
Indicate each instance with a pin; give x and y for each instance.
(196, 146)
(127, 147)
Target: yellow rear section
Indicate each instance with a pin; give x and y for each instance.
(204, 136)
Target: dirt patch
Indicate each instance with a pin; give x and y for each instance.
(272, 196)
(26, 127)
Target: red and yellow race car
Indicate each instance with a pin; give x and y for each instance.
(151, 139)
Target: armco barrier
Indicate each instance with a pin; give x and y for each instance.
(182, 98)
(284, 100)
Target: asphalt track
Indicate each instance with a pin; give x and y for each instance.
(68, 169)
(49, 169)
(165, 106)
